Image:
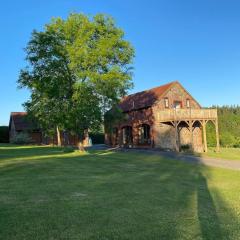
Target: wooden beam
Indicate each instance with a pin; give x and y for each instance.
(205, 137)
(176, 136)
(191, 132)
(217, 136)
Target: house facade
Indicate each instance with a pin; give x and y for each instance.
(165, 117)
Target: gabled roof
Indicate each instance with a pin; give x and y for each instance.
(21, 121)
(143, 99)
(146, 98)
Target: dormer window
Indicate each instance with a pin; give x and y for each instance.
(188, 103)
(166, 102)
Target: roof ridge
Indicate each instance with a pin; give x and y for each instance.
(147, 90)
(18, 114)
(145, 98)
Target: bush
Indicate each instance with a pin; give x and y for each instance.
(228, 140)
(68, 149)
(236, 145)
(185, 148)
(4, 134)
(22, 138)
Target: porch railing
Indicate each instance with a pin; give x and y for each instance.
(186, 114)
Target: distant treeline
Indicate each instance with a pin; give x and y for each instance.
(229, 127)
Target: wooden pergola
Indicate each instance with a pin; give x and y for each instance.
(190, 116)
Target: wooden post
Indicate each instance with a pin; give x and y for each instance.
(217, 135)
(176, 136)
(191, 132)
(152, 137)
(205, 136)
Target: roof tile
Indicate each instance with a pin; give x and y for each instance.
(143, 99)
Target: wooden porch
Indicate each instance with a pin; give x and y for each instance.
(190, 117)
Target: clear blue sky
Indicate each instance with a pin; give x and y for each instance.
(194, 41)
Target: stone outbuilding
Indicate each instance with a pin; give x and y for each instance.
(165, 117)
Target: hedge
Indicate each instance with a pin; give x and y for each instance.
(4, 134)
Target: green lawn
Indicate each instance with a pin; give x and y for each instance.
(48, 194)
(225, 153)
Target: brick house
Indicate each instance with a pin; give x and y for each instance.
(165, 117)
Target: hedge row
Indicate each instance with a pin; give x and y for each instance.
(4, 134)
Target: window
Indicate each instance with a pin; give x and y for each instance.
(188, 103)
(166, 102)
(177, 105)
(127, 135)
(144, 134)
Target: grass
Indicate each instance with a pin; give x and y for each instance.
(48, 194)
(225, 153)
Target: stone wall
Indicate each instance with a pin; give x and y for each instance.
(164, 136)
(185, 138)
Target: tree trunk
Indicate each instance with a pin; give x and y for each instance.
(59, 143)
(80, 146)
(81, 143)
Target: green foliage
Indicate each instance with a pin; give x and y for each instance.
(78, 68)
(211, 134)
(68, 149)
(229, 127)
(4, 134)
(22, 138)
(112, 118)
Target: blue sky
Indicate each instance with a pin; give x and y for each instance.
(196, 42)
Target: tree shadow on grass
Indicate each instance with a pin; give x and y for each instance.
(131, 196)
(207, 214)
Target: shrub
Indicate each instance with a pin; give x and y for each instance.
(4, 134)
(68, 149)
(185, 148)
(236, 145)
(228, 140)
(22, 138)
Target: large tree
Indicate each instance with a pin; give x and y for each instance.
(77, 69)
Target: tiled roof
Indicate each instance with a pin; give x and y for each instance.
(143, 99)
